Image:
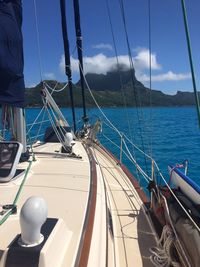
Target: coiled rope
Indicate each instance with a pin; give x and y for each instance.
(163, 256)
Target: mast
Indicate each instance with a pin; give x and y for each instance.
(191, 60)
(67, 58)
(80, 55)
(19, 116)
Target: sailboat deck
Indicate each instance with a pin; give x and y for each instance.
(130, 233)
(63, 183)
(120, 231)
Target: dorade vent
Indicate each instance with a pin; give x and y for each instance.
(32, 216)
(68, 139)
(52, 251)
(68, 143)
(10, 153)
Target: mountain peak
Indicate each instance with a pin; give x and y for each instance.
(111, 81)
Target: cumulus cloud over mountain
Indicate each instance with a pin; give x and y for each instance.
(102, 64)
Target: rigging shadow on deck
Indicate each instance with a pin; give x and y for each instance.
(146, 238)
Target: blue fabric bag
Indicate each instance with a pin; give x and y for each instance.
(12, 88)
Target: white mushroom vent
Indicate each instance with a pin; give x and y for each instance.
(68, 139)
(32, 216)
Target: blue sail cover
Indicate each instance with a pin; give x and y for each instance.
(12, 88)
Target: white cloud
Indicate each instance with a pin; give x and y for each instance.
(169, 76)
(49, 76)
(31, 85)
(141, 60)
(101, 64)
(103, 46)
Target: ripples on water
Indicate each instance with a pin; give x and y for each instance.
(172, 134)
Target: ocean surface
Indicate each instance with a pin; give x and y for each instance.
(170, 135)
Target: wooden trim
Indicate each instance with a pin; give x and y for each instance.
(132, 179)
(86, 238)
(85, 243)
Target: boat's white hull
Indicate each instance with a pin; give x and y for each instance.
(187, 186)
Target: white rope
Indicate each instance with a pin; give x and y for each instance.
(43, 121)
(54, 89)
(162, 256)
(147, 178)
(53, 125)
(122, 87)
(33, 124)
(135, 146)
(104, 115)
(39, 122)
(55, 120)
(106, 137)
(40, 128)
(132, 160)
(159, 172)
(48, 98)
(117, 147)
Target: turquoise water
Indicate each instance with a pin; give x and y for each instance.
(170, 134)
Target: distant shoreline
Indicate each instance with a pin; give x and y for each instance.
(183, 106)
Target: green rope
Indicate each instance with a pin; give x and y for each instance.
(190, 59)
(18, 193)
(5, 217)
(22, 183)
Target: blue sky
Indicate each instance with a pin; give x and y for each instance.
(170, 65)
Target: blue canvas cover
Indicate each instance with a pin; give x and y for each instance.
(12, 86)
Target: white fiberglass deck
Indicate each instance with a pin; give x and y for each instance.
(131, 235)
(63, 183)
(120, 232)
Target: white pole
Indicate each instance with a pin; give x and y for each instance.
(20, 127)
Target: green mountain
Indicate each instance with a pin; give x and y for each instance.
(108, 92)
(112, 80)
